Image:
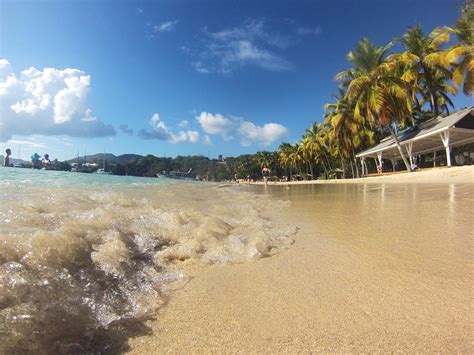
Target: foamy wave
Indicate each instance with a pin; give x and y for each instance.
(79, 267)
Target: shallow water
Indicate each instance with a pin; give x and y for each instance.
(85, 258)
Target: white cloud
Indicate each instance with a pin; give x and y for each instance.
(193, 136)
(249, 44)
(88, 117)
(155, 118)
(215, 124)
(165, 26)
(183, 124)
(28, 143)
(249, 133)
(303, 31)
(200, 67)
(261, 135)
(48, 102)
(207, 140)
(160, 131)
(246, 52)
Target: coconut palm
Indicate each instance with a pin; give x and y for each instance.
(422, 67)
(383, 99)
(318, 137)
(308, 153)
(284, 151)
(461, 56)
(350, 133)
(364, 58)
(264, 159)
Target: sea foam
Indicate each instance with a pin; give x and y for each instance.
(83, 265)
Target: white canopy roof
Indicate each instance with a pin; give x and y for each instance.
(425, 137)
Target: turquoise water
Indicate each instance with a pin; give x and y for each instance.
(85, 259)
(31, 177)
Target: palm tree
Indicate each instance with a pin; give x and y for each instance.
(317, 135)
(309, 153)
(283, 155)
(264, 159)
(461, 56)
(382, 98)
(364, 58)
(349, 132)
(421, 67)
(290, 156)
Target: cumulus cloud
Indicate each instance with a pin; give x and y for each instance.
(249, 133)
(160, 131)
(48, 102)
(126, 129)
(215, 124)
(167, 26)
(193, 136)
(155, 118)
(261, 135)
(249, 44)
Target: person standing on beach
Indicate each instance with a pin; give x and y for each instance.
(6, 160)
(266, 174)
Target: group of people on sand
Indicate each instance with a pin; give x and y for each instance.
(36, 162)
(266, 172)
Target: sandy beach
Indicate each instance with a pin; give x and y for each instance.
(374, 268)
(452, 175)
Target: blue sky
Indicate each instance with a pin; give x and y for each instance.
(182, 77)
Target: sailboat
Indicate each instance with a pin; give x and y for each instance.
(102, 170)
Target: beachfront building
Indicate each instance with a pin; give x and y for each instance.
(438, 135)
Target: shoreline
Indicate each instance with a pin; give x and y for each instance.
(441, 175)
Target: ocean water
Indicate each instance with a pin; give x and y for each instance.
(85, 259)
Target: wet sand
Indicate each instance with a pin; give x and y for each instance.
(379, 267)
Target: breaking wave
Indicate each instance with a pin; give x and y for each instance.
(82, 266)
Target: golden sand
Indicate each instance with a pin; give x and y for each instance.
(374, 267)
(442, 175)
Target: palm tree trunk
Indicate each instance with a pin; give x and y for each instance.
(324, 166)
(354, 159)
(311, 170)
(343, 167)
(433, 98)
(394, 136)
(356, 168)
(352, 168)
(327, 160)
